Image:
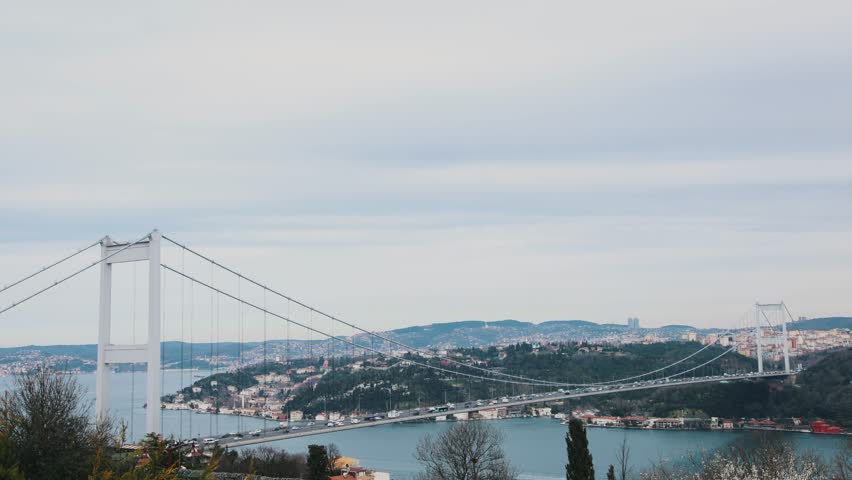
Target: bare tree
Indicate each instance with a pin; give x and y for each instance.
(769, 458)
(842, 462)
(622, 457)
(465, 451)
(333, 453)
(49, 428)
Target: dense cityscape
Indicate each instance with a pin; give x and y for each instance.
(801, 341)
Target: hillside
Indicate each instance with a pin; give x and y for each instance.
(828, 323)
(464, 334)
(345, 388)
(480, 334)
(822, 391)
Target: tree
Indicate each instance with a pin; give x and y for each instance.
(622, 456)
(46, 432)
(842, 462)
(769, 457)
(464, 451)
(318, 468)
(266, 461)
(580, 466)
(332, 453)
(8, 466)
(761, 458)
(610, 474)
(47, 426)
(157, 460)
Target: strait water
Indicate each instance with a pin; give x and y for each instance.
(536, 447)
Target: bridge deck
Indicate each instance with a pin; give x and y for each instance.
(409, 415)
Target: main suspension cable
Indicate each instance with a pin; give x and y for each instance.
(77, 272)
(281, 317)
(372, 334)
(409, 347)
(793, 324)
(48, 267)
(705, 363)
(659, 369)
(389, 354)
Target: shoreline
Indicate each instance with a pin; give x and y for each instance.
(726, 430)
(732, 430)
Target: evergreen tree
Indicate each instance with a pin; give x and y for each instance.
(610, 474)
(318, 463)
(580, 466)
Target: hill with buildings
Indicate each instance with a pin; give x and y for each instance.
(378, 384)
(827, 323)
(463, 334)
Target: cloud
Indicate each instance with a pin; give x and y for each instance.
(409, 164)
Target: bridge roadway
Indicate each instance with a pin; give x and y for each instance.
(303, 430)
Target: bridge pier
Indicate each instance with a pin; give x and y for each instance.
(782, 340)
(148, 352)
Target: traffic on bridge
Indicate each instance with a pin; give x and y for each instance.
(286, 430)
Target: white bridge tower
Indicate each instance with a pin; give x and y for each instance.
(148, 352)
(764, 313)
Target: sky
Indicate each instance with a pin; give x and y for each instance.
(397, 164)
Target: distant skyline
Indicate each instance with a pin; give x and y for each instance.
(402, 165)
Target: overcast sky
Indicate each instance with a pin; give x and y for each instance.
(399, 164)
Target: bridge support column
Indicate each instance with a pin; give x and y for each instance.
(148, 352)
(758, 337)
(104, 324)
(776, 310)
(786, 338)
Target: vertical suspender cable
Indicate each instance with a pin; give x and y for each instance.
(133, 365)
(265, 371)
(164, 290)
(218, 351)
(288, 334)
(210, 363)
(289, 366)
(191, 340)
(182, 307)
(241, 374)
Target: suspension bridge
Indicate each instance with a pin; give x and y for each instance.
(247, 298)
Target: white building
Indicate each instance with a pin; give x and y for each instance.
(541, 412)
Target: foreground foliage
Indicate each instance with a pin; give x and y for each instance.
(46, 428)
(46, 432)
(464, 451)
(769, 458)
(580, 465)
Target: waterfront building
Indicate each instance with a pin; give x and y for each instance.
(541, 411)
(487, 414)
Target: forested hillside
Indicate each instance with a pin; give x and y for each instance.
(822, 391)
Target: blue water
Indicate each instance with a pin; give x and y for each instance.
(536, 447)
(125, 387)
